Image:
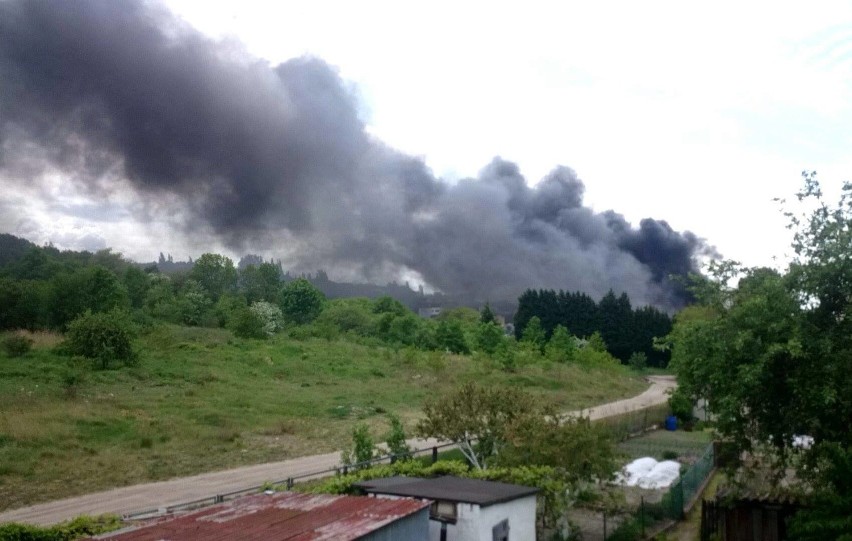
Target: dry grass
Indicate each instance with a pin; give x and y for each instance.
(41, 339)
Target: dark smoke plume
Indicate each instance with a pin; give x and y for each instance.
(110, 92)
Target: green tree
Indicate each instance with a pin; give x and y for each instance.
(486, 315)
(562, 346)
(580, 451)
(226, 308)
(353, 315)
(403, 329)
(534, 334)
(450, 336)
(362, 450)
(389, 305)
(136, 282)
(773, 356)
(247, 324)
(617, 328)
(192, 303)
(215, 273)
(396, 439)
(160, 301)
(638, 360)
(300, 301)
(24, 304)
(476, 418)
(490, 337)
(89, 288)
(596, 342)
(104, 337)
(260, 282)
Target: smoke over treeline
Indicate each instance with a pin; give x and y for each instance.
(115, 92)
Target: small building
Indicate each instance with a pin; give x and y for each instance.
(430, 312)
(287, 516)
(466, 509)
(749, 514)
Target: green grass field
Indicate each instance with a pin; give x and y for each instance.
(201, 400)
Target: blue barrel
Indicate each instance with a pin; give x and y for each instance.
(671, 422)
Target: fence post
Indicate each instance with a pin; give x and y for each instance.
(434, 455)
(642, 515)
(289, 483)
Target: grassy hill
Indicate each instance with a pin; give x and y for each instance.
(201, 400)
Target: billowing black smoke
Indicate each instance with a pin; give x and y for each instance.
(109, 92)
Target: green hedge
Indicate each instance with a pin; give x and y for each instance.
(66, 531)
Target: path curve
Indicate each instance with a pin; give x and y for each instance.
(161, 494)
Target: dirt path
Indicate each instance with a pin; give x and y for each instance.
(162, 494)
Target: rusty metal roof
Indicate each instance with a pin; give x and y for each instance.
(284, 516)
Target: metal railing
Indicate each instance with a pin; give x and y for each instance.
(680, 494)
(288, 483)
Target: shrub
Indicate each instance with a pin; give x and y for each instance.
(490, 337)
(450, 336)
(16, 345)
(247, 324)
(269, 315)
(348, 315)
(67, 531)
(681, 407)
(396, 440)
(638, 360)
(362, 448)
(102, 337)
(562, 346)
(300, 301)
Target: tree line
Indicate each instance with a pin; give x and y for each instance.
(627, 332)
(44, 288)
(771, 352)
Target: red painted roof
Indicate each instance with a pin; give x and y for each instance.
(284, 516)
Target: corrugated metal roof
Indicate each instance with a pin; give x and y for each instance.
(284, 516)
(449, 488)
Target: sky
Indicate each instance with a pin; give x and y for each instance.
(696, 115)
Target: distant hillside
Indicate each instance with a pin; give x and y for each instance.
(13, 248)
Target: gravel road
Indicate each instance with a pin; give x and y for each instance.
(161, 494)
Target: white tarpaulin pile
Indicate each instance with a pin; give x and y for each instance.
(648, 473)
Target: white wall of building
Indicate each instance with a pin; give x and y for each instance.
(475, 523)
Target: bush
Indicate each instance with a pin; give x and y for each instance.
(348, 315)
(301, 302)
(450, 336)
(638, 360)
(490, 337)
(245, 323)
(67, 531)
(396, 440)
(362, 448)
(17, 345)
(102, 337)
(681, 407)
(269, 315)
